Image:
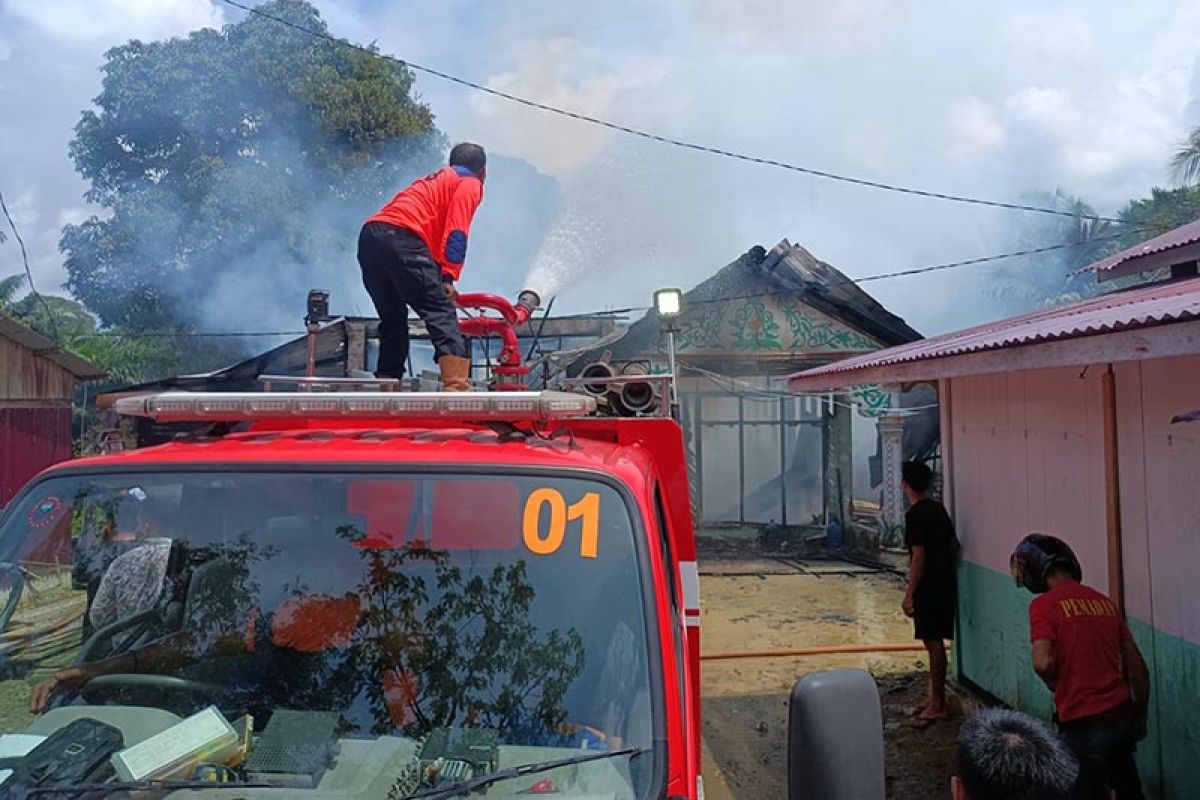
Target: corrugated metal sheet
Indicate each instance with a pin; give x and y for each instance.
(1126, 310)
(290, 358)
(31, 439)
(1179, 237)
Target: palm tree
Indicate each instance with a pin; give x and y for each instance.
(1185, 166)
(1052, 278)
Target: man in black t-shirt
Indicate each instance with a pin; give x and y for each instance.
(932, 590)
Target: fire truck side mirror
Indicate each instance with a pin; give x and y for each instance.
(835, 737)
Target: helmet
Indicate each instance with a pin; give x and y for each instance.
(1037, 556)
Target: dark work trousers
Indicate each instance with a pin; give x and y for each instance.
(1106, 762)
(400, 274)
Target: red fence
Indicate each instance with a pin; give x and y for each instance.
(31, 439)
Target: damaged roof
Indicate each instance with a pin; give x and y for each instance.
(788, 270)
(1133, 309)
(290, 358)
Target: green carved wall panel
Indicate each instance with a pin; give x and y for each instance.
(813, 331)
(701, 329)
(754, 327)
(765, 324)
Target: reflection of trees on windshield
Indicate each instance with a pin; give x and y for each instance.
(222, 590)
(204, 605)
(468, 655)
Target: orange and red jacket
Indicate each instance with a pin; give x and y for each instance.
(438, 208)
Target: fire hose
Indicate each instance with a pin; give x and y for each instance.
(914, 647)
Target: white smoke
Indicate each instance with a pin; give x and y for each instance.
(959, 108)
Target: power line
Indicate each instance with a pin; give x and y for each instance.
(895, 274)
(939, 267)
(28, 271)
(742, 388)
(985, 259)
(633, 309)
(186, 334)
(770, 162)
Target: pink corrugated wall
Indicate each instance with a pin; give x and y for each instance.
(1160, 492)
(31, 439)
(1029, 456)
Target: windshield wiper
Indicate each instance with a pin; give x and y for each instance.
(104, 789)
(465, 788)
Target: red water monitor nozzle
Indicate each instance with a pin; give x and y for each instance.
(510, 373)
(528, 302)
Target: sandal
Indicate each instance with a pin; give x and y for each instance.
(923, 721)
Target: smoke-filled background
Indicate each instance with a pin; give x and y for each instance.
(1009, 101)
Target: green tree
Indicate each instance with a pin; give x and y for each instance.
(1185, 166)
(1052, 278)
(253, 151)
(1163, 210)
(127, 356)
(8, 290)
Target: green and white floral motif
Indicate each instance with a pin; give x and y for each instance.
(810, 332)
(701, 329)
(891, 534)
(754, 327)
(871, 399)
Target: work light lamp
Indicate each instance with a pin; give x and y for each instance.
(668, 302)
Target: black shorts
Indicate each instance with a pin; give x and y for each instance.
(933, 617)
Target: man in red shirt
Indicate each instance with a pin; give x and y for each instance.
(411, 253)
(1085, 654)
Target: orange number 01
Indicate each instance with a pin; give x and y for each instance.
(545, 541)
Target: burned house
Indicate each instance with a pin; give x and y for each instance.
(759, 453)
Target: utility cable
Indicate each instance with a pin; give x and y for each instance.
(689, 302)
(751, 392)
(187, 334)
(29, 273)
(881, 276)
(680, 143)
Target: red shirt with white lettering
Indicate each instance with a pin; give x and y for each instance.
(1086, 632)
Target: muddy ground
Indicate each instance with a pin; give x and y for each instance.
(766, 604)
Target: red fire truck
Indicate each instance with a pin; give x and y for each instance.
(345, 594)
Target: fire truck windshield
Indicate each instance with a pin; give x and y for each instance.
(446, 626)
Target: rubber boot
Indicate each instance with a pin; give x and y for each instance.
(456, 372)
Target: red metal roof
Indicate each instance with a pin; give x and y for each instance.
(1183, 235)
(1125, 310)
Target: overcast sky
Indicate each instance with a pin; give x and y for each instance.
(994, 100)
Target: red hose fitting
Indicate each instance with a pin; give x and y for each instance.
(512, 316)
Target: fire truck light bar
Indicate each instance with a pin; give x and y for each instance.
(465, 406)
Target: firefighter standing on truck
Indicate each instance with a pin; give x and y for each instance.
(411, 253)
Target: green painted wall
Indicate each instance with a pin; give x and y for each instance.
(1170, 756)
(993, 652)
(993, 639)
